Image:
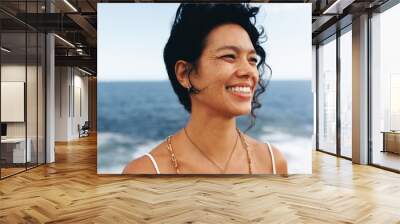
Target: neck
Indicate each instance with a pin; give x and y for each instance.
(214, 134)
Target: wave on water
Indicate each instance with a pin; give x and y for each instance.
(134, 117)
(115, 151)
(296, 149)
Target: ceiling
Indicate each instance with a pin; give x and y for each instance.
(76, 22)
(329, 16)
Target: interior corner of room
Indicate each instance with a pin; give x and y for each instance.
(357, 80)
(47, 93)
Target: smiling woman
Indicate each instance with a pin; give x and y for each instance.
(216, 65)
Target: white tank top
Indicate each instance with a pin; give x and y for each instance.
(153, 161)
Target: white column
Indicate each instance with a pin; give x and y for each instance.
(360, 90)
(314, 91)
(50, 99)
(50, 93)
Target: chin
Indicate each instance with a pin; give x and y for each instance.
(238, 106)
(241, 111)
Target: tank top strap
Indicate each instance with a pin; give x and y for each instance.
(271, 152)
(153, 161)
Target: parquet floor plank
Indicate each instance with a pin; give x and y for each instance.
(70, 191)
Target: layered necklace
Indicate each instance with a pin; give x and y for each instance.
(222, 170)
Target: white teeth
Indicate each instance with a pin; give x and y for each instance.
(240, 89)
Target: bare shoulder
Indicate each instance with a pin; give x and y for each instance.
(260, 149)
(144, 165)
(280, 161)
(141, 165)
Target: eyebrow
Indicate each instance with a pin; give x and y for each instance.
(235, 48)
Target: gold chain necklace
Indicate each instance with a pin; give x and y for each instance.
(208, 158)
(242, 139)
(246, 146)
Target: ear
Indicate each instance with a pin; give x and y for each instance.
(181, 72)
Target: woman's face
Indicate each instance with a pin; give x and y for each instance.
(226, 72)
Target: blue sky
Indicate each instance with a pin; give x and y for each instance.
(131, 39)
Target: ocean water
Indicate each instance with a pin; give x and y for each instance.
(133, 117)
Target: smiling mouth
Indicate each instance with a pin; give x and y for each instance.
(239, 89)
(242, 92)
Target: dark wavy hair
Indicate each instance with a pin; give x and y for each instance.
(192, 24)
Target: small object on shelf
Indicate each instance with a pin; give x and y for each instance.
(391, 141)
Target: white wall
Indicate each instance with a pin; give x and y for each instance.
(33, 126)
(17, 73)
(14, 73)
(62, 81)
(71, 87)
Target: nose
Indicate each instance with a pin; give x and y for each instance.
(247, 70)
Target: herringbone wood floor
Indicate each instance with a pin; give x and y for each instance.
(70, 191)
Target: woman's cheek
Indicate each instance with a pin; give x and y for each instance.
(225, 70)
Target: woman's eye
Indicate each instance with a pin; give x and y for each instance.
(230, 57)
(254, 60)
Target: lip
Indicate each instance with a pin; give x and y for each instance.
(241, 96)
